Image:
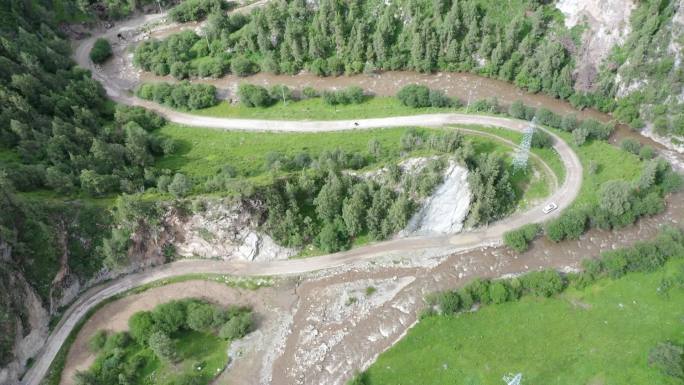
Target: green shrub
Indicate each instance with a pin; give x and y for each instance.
(630, 145)
(254, 96)
(349, 95)
(180, 186)
(414, 95)
(199, 315)
(242, 66)
(101, 51)
(97, 341)
(194, 10)
(183, 95)
(519, 110)
(499, 292)
(449, 302)
(541, 139)
(236, 327)
(162, 345)
(140, 326)
(310, 92)
(669, 358)
(543, 283)
(519, 239)
(170, 317)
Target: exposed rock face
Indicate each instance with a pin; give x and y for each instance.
(445, 211)
(608, 25)
(225, 230)
(31, 321)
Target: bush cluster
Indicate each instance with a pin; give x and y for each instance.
(644, 152)
(620, 203)
(544, 283)
(349, 95)
(194, 10)
(645, 256)
(519, 239)
(417, 96)
(183, 96)
(581, 130)
(101, 51)
(154, 330)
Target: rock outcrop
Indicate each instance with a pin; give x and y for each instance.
(607, 23)
(225, 230)
(445, 211)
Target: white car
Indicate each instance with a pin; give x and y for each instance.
(550, 207)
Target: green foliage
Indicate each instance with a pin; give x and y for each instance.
(541, 139)
(199, 316)
(237, 326)
(520, 111)
(162, 345)
(519, 239)
(184, 356)
(669, 358)
(254, 96)
(140, 326)
(491, 189)
(97, 341)
(101, 51)
(179, 186)
(336, 38)
(183, 96)
(569, 225)
(543, 283)
(417, 96)
(537, 328)
(414, 95)
(242, 66)
(349, 95)
(170, 317)
(195, 10)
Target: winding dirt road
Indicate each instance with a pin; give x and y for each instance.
(492, 234)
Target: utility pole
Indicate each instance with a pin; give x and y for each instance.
(513, 379)
(522, 153)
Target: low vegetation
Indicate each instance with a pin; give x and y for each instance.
(101, 51)
(543, 309)
(417, 96)
(182, 96)
(180, 342)
(519, 239)
(195, 10)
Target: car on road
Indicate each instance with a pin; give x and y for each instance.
(550, 207)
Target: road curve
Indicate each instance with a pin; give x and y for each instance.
(492, 234)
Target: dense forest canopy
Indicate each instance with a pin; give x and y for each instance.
(524, 43)
(334, 37)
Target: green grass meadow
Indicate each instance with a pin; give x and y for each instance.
(317, 109)
(598, 335)
(194, 349)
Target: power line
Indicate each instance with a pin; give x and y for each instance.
(522, 153)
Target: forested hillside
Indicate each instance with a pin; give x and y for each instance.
(524, 42)
(55, 123)
(523, 45)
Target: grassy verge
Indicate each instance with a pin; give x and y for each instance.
(202, 152)
(598, 335)
(317, 109)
